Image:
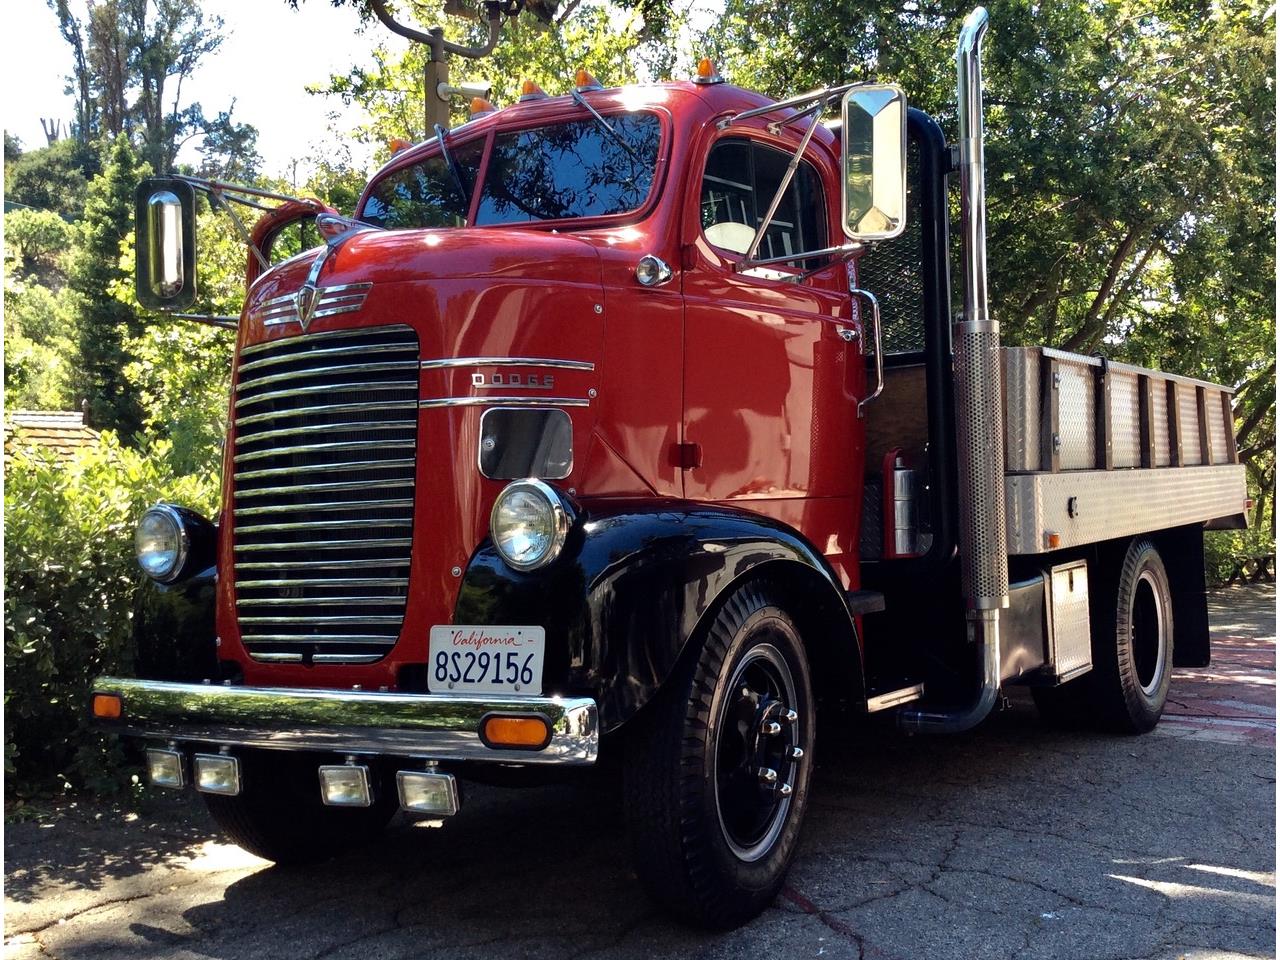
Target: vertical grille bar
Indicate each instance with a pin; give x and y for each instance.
(326, 444)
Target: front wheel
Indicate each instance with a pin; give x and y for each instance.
(716, 778)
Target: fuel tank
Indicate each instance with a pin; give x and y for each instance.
(353, 498)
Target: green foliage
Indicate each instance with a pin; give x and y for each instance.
(70, 579)
(104, 321)
(52, 178)
(36, 242)
(599, 35)
(39, 344)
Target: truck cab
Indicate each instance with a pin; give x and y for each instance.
(636, 422)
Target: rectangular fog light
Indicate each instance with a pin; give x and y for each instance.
(434, 793)
(164, 767)
(345, 785)
(217, 773)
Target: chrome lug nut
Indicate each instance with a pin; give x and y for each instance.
(768, 776)
(795, 753)
(784, 790)
(771, 728)
(790, 717)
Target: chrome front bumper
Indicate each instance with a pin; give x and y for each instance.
(428, 726)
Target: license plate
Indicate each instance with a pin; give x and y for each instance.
(503, 660)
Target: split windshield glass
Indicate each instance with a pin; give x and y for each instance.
(555, 172)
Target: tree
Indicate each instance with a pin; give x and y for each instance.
(131, 60)
(391, 91)
(104, 321)
(1130, 177)
(52, 178)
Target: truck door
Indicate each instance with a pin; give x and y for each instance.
(773, 367)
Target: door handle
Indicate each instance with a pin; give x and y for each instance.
(875, 337)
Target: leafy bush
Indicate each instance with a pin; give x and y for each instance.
(1222, 547)
(70, 579)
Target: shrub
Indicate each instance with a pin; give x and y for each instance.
(70, 581)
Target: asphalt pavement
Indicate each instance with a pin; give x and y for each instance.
(1014, 841)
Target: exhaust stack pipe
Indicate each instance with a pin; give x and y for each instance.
(984, 558)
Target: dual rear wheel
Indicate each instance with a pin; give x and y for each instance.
(1131, 616)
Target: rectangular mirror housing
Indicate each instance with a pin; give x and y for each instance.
(873, 190)
(165, 244)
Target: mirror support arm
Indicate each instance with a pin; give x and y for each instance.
(749, 260)
(219, 201)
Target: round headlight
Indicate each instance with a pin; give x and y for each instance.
(528, 524)
(161, 543)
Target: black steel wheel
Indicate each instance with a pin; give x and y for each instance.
(717, 772)
(279, 815)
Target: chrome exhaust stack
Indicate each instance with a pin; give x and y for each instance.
(984, 558)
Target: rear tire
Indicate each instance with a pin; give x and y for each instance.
(279, 815)
(1133, 644)
(1131, 621)
(712, 836)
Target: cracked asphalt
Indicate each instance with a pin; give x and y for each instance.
(1014, 841)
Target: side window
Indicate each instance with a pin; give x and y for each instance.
(292, 239)
(738, 185)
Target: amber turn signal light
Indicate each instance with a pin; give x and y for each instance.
(107, 706)
(583, 80)
(515, 733)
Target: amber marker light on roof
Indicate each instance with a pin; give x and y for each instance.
(397, 144)
(107, 706)
(480, 106)
(585, 81)
(707, 72)
(515, 733)
(531, 91)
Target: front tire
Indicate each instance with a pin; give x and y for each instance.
(279, 815)
(716, 779)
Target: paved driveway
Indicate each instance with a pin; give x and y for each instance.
(1014, 841)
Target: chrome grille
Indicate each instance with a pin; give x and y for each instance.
(326, 436)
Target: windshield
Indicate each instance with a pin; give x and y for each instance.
(553, 172)
(426, 193)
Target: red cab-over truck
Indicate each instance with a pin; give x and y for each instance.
(638, 423)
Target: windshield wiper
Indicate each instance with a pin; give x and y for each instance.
(579, 99)
(451, 162)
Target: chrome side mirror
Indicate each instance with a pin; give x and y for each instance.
(165, 244)
(874, 159)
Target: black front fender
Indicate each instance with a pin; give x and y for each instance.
(632, 585)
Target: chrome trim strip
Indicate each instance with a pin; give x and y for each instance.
(371, 425)
(361, 332)
(321, 601)
(325, 524)
(321, 507)
(315, 639)
(323, 581)
(323, 565)
(337, 445)
(322, 488)
(389, 621)
(325, 354)
(351, 465)
(432, 726)
(450, 362)
(377, 385)
(385, 366)
(325, 408)
(324, 545)
(505, 402)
